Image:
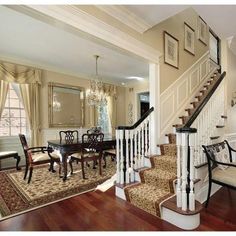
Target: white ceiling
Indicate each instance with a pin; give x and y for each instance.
(221, 18)
(31, 40)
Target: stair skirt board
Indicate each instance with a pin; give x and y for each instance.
(187, 222)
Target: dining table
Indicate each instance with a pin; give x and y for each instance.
(68, 148)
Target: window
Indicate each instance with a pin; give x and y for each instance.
(214, 47)
(13, 119)
(104, 119)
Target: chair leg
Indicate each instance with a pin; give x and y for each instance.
(82, 167)
(208, 195)
(30, 174)
(105, 162)
(51, 168)
(26, 171)
(100, 166)
(71, 167)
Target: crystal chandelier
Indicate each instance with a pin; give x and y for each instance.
(96, 95)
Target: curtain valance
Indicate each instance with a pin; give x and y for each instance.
(19, 74)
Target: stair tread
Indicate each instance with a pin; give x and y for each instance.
(214, 137)
(171, 204)
(220, 126)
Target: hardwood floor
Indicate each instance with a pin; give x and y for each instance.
(98, 211)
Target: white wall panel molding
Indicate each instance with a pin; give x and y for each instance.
(176, 97)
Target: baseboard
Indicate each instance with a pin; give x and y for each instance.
(120, 193)
(201, 195)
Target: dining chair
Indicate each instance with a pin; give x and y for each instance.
(70, 136)
(92, 144)
(37, 156)
(95, 129)
(111, 153)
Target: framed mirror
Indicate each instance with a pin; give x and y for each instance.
(66, 105)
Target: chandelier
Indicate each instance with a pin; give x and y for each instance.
(95, 95)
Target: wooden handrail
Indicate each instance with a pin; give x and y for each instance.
(204, 102)
(145, 115)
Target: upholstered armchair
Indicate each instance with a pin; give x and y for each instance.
(37, 156)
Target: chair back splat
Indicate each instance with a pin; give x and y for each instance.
(69, 136)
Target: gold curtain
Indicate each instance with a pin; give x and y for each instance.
(29, 81)
(30, 97)
(4, 87)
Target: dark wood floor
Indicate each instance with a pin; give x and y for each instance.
(97, 211)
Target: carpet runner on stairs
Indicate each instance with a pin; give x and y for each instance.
(156, 182)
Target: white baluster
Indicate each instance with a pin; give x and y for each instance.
(127, 156)
(135, 150)
(184, 146)
(121, 135)
(178, 187)
(131, 156)
(191, 174)
(139, 147)
(118, 170)
(142, 149)
(146, 136)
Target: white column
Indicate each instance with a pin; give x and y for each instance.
(154, 89)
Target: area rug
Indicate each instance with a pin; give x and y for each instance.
(16, 196)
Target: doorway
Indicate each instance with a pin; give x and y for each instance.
(143, 103)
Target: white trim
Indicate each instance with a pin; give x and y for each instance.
(82, 21)
(127, 17)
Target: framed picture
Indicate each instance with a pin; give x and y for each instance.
(202, 30)
(189, 37)
(171, 50)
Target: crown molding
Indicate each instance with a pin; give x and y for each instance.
(75, 17)
(126, 16)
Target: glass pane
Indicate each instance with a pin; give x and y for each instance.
(15, 130)
(5, 113)
(13, 93)
(14, 113)
(14, 102)
(23, 130)
(7, 102)
(23, 122)
(4, 131)
(5, 122)
(15, 122)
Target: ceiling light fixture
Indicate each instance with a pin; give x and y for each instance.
(96, 95)
(135, 77)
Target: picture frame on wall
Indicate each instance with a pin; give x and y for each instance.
(171, 50)
(189, 39)
(202, 30)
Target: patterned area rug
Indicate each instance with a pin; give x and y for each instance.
(156, 182)
(16, 196)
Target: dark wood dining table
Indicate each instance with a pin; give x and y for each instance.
(68, 148)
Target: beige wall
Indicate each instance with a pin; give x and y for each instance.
(175, 27)
(132, 92)
(48, 76)
(230, 79)
(154, 38)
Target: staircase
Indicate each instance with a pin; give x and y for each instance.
(157, 187)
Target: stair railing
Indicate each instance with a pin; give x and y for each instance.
(132, 145)
(189, 138)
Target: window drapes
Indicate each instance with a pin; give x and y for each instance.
(29, 81)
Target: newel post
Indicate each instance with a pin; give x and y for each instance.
(185, 168)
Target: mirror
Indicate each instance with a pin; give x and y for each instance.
(66, 105)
